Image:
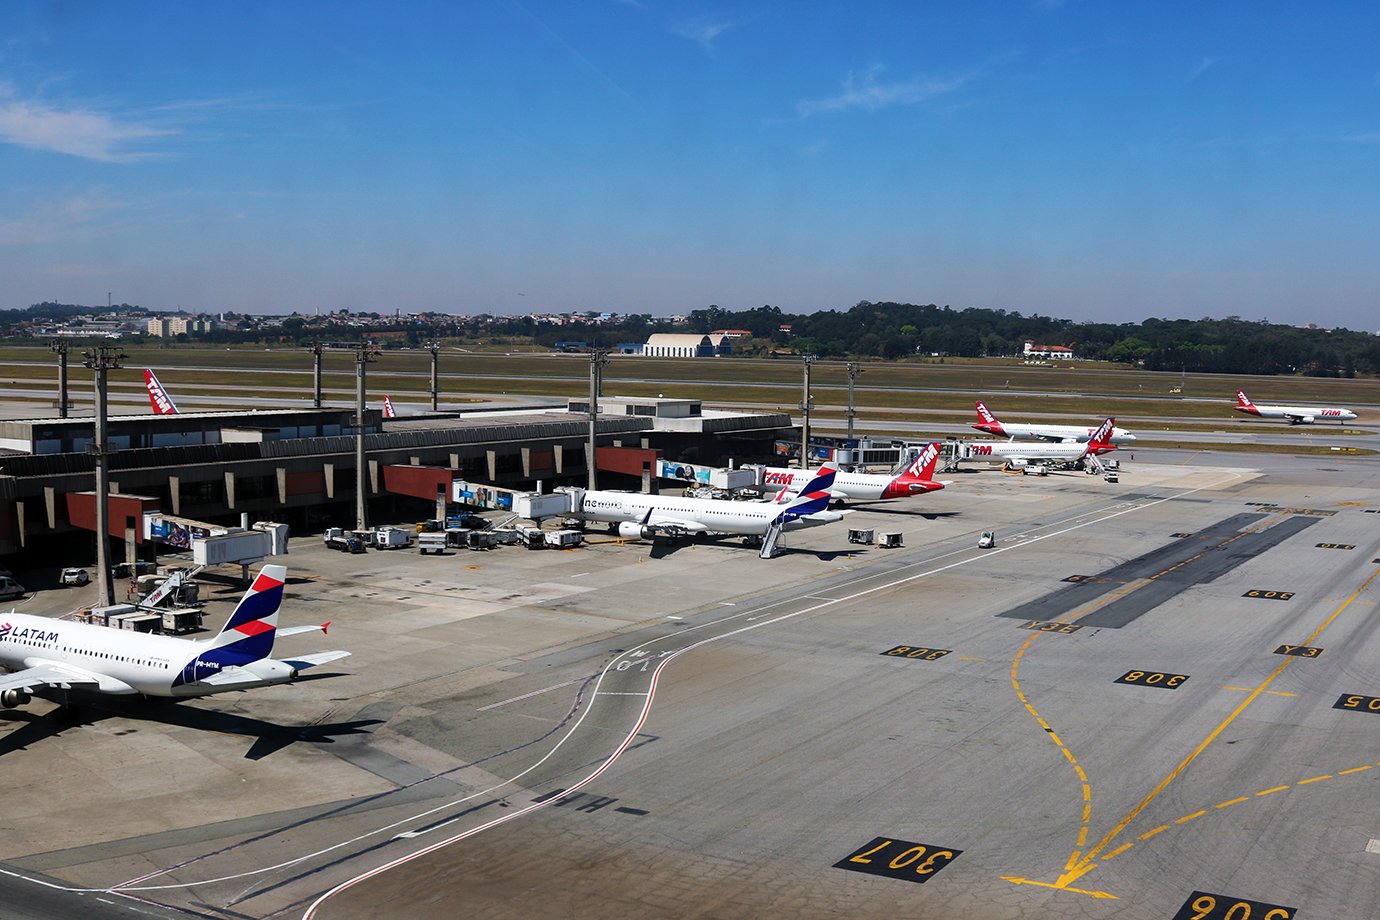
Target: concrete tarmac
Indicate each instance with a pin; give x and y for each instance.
(634, 730)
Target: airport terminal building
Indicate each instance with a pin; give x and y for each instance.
(297, 466)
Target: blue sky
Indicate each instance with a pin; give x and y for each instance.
(1085, 158)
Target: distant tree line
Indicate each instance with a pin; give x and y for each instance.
(891, 330)
(866, 330)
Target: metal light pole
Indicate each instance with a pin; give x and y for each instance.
(805, 406)
(364, 353)
(101, 359)
(316, 350)
(60, 349)
(435, 348)
(854, 369)
(598, 357)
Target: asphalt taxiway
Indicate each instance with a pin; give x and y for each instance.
(1151, 700)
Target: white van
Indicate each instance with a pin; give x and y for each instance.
(10, 589)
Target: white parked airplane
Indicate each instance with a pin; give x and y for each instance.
(158, 397)
(1020, 453)
(47, 655)
(1297, 415)
(1026, 431)
(917, 479)
(642, 516)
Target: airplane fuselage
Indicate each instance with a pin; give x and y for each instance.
(1029, 432)
(702, 514)
(1299, 415)
(851, 486)
(119, 661)
(1006, 451)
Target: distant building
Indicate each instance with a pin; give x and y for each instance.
(732, 333)
(674, 345)
(1048, 351)
(784, 327)
(190, 325)
(160, 326)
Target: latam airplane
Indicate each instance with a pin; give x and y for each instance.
(1297, 415)
(50, 656)
(917, 479)
(1025, 431)
(388, 410)
(1020, 453)
(642, 516)
(158, 397)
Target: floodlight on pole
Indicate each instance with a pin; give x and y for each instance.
(806, 404)
(102, 359)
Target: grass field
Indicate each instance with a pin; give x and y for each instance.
(884, 391)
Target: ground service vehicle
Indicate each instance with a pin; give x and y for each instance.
(431, 542)
(343, 540)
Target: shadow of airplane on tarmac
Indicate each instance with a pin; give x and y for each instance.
(903, 512)
(269, 737)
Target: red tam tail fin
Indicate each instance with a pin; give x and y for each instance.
(985, 414)
(925, 463)
(1101, 440)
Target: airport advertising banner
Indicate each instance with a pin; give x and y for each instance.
(667, 469)
(477, 496)
(177, 532)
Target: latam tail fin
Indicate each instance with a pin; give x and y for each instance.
(158, 397)
(388, 410)
(984, 414)
(1243, 401)
(1101, 440)
(252, 627)
(247, 636)
(813, 498)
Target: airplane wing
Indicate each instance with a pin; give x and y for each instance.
(673, 526)
(302, 662)
(228, 677)
(785, 496)
(45, 675)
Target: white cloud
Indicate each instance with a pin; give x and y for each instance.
(869, 95)
(703, 30)
(76, 132)
(1203, 67)
(62, 220)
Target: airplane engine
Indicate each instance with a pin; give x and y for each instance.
(1017, 463)
(630, 531)
(1302, 420)
(12, 698)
